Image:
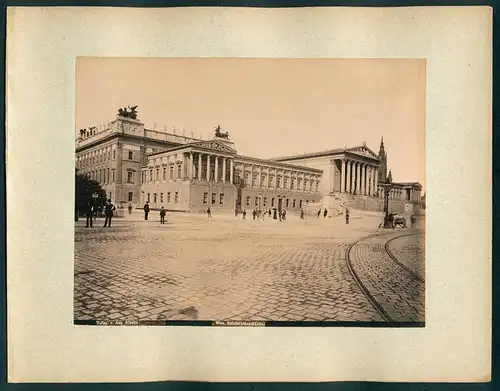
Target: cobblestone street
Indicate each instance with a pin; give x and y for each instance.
(195, 268)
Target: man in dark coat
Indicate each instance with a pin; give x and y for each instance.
(146, 210)
(162, 215)
(325, 213)
(89, 212)
(347, 216)
(108, 211)
(319, 213)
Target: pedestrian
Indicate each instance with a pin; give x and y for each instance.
(283, 215)
(302, 214)
(346, 216)
(162, 215)
(209, 212)
(129, 209)
(89, 212)
(244, 214)
(109, 208)
(275, 214)
(146, 210)
(254, 213)
(325, 213)
(319, 213)
(235, 212)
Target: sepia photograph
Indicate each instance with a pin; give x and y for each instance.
(249, 191)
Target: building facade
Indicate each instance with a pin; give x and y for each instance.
(203, 174)
(115, 153)
(136, 165)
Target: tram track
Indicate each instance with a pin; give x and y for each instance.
(371, 299)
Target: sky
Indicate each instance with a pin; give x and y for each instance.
(270, 107)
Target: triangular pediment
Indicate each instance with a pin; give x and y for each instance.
(364, 151)
(214, 145)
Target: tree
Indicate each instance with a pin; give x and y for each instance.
(87, 190)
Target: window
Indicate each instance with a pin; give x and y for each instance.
(157, 174)
(176, 197)
(293, 204)
(256, 201)
(109, 156)
(130, 177)
(114, 155)
(130, 196)
(254, 181)
(161, 197)
(150, 175)
(113, 175)
(168, 197)
(108, 177)
(272, 202)
(154, 198)
(164, 173)
(205, 198)
(293, 184)
(214, 195)
(278, 183)
(221, 198)
(285, 183)
(287, 202)
(300, 204)
(179, 173)
(248, 200)
(171, 173)
(130, 155)
(265, 202)
(149, 197)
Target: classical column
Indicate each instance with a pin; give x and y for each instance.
(191, 165)
(208, 168)
(231, 169)
(376, 181)
(199, 166)
(349, 179)
(363, 179)
(224, 176)
(342, 177)
(216, 174)
(372, 180)
(358, 178)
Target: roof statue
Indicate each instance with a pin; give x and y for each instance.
(128, 114)
(220, 134)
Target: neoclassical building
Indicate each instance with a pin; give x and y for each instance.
(135, 165)
(203, 174)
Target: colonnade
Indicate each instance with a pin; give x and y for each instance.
(356, 177)
(277, 178)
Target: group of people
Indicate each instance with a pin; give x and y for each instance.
(262, 214)
(92, 211)
(325, 214)
(146, 209)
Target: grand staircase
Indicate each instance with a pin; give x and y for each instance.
(336, 205)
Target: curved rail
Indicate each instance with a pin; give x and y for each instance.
(360, 284)
(391, 255)
(362, 287)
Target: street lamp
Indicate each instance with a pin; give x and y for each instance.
(387, 186)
